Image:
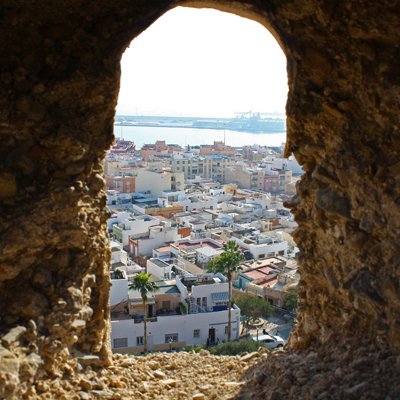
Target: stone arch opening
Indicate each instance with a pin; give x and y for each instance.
(189, 75)
(60, 82)
(216, 64)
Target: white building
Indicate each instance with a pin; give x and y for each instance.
(188, 248)
(156, 236)
(118, 292)
(261, 247)
(198, 201)
(121, 261)
(160, 268)
(134, 226)
(206, 254)
(204, 321)
(273, 162)
(156, 182)
(117, 217)
(182, 330)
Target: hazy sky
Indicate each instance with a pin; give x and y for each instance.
(201, 62)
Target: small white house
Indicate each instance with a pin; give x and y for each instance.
(205, 254)
(203, 318)
(159, 269)
(261, 247)
(174, 332)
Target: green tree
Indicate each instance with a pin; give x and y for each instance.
(253, 307)
(227, 263)
(141, 283)
(117, 274)
(290, 301)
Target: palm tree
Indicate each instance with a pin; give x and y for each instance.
(227, 263)
(141, 283)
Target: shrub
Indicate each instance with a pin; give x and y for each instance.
(196, 348)
(234, 348)
(231, 348)
(253, 307)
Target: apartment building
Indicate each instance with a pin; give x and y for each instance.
(218, 148)
(193, 250)
(132, 227)
(243, 176)
(149, 151)
(157, 181)
(276, 181)
(122, 183)
(260, 246)
(185, 311)
(156, 236)
(211, 167)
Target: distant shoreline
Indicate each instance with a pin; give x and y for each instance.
(254, 124)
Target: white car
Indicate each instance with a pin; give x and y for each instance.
(270, 341)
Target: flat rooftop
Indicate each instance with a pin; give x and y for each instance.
(163, 249)
(267, 262)
(259, 273)
(167, 287)
(204, 243)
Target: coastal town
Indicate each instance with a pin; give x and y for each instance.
(173, 212)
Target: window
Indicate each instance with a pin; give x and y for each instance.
(196, 333)
(171, 337)
(120, 342)
(139, 340)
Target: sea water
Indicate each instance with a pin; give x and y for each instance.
(195, 137)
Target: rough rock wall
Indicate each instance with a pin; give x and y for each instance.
(59, 80)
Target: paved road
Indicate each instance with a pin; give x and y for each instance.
(276, 326)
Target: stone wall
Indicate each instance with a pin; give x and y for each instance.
(59, 81)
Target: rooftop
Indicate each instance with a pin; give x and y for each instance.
(209, 251)
(267, 262)
(266, 282)
(196, 244)
(258, 273)
(159, 263)
(167, 287)
(163, 249)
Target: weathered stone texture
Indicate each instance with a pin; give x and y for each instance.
(59, 81)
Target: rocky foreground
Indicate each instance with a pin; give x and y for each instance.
(157, 376)
(364, 374)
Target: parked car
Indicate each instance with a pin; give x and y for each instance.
(270, 341)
